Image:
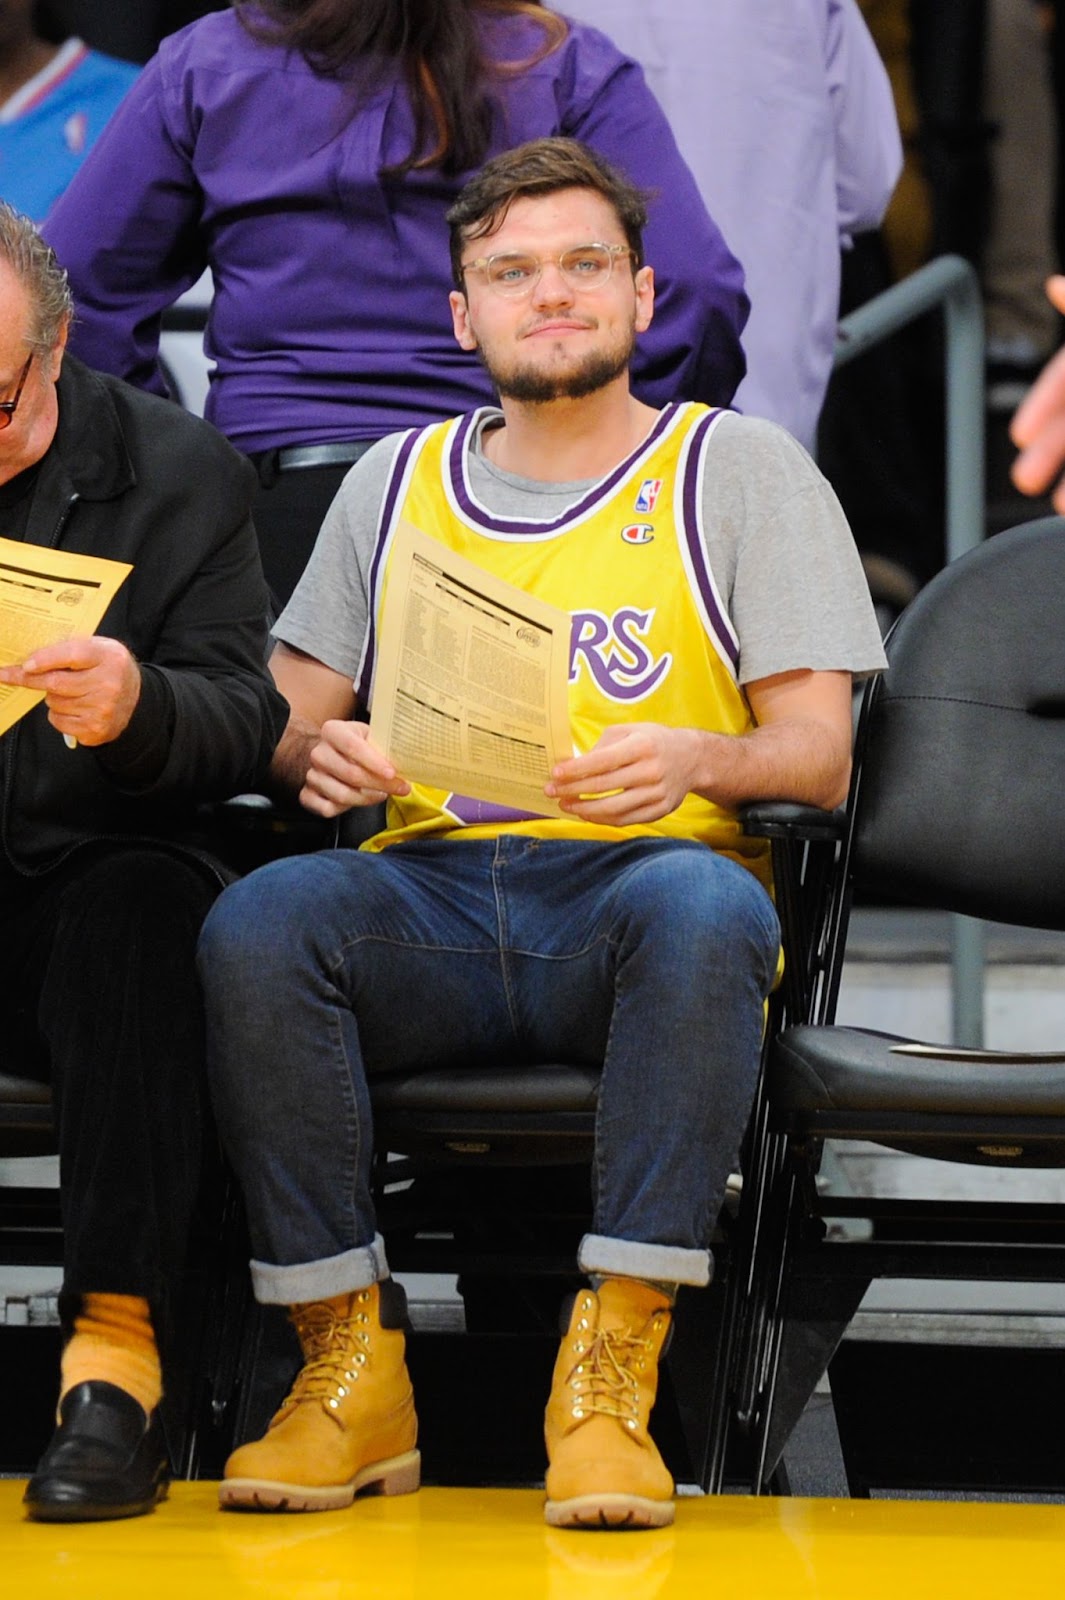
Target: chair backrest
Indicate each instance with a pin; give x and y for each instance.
(960, 801)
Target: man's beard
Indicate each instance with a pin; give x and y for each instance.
(533, 386)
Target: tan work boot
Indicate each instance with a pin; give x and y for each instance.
(604, 1469)
(348, 1426)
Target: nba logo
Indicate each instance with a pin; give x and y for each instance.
(638, 533)
(75, 133)
(649, 491)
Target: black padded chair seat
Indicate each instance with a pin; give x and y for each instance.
(549, 1087)
(981, 1106)
(24, 1092)
(496, 1112)
(25, 1117)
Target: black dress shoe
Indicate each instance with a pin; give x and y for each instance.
(106, 1459)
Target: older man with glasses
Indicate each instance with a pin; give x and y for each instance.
(104, 879)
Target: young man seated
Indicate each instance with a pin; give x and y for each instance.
(711, 662)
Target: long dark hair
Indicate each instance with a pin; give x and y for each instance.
(438, 46)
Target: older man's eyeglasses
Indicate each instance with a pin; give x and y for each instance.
(9, 407)
(514, 275)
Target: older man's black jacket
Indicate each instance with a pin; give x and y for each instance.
(138, 479)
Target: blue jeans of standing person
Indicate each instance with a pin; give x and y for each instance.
(320, 971)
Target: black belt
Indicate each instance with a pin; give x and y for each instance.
(293, 458)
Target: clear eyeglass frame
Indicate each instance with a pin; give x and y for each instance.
(514, 274)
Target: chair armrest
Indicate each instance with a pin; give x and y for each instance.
(806, 844)
(248, 830)
(788, 819)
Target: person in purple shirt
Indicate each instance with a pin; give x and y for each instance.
(306, 151)
(784, 112)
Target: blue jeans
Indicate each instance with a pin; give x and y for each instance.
(320, 971)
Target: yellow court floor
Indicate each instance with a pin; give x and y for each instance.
(465, 1544)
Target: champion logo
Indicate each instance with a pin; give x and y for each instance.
(638, 533)
(648, 494)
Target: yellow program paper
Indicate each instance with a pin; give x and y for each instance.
(469, 691)
(47, 595)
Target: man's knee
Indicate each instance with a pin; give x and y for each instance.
(694, 885)
(118, 993)
(700, 906)
(244, 922)
(265, 921)
(129, 894)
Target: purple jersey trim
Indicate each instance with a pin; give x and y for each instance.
(696, 548)
(384, 526)
(471, 812)
(483, 519)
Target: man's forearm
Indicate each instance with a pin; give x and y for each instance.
(804, 761)
(292, 758)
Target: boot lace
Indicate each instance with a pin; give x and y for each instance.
(604, 1382)
(335, 1349)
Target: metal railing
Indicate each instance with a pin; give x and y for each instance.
(949, 282)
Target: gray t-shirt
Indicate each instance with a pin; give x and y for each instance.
(777, 542)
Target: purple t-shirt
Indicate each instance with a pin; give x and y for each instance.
(330, 316)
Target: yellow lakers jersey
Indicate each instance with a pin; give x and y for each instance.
(651, 640)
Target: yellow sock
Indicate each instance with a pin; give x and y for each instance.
(114, 1342)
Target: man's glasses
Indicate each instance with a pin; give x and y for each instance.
(513, 275)
(9, 407)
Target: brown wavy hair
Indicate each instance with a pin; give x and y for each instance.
(438, 46)
(541, 167)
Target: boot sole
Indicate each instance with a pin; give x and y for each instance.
(608, 1511)
(398, 1475)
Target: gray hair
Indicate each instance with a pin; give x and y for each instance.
(35, 265)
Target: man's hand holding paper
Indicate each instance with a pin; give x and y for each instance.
(635, 773)
(347, 769)
(90, 685)
(50, 602)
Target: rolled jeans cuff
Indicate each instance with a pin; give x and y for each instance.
(627, 1258)
(320, 1280)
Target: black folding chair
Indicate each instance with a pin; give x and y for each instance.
(957, 804)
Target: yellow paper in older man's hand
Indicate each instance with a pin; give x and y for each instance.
(47, 595)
